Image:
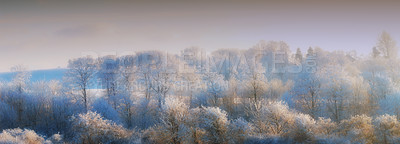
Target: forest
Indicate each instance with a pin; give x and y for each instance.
(263, 94)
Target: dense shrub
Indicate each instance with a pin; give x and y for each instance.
(19, 136)
(358, 129)
(387, 129)
(91, 128)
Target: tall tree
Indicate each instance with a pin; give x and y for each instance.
(387, 46)
(81, 72)
(19, 82)
(336, 88)
(108, 75)
(257, 86)
(306, 93)
(215, 87)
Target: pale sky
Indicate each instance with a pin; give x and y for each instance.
(45, 34)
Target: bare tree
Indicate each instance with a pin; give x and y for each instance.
(161, 84)
(20, 80)
(257, 86)
(81, 72)
(306, 93)
(214, 87)
(108, 74)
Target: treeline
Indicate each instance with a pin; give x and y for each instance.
(265, 94)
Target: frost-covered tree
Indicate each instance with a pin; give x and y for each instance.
(274, 118)
(164, 75)
(81, 72)
(304, 128)
(387, 129)
(358, 129)
(276, 88)
(17, 93)
(325, 127)
(380, 88)
(19, 136)
(127, 71)
(232, 99)
(92, 128)
(161, 84)
(240, 130)
(174, 125)
(306, 93)
(198, 125)
(359, 101)
(127, 86)
(256, 86)
(215, 122)
(336, 89)
(215, 86)
(127, 109)
(148, 64)
(387, 46)
(380, 85)
(108, 75)
(20, 78)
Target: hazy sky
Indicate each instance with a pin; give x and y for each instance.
(44, 34)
